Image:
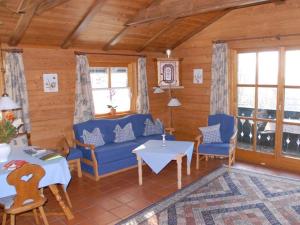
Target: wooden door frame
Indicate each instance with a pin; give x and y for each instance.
(276, 160)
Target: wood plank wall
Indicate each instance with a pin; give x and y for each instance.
(52, 113)
(263, 20)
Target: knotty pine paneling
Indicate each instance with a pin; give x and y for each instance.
(263, 20)
(52, 113)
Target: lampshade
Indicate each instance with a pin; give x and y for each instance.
(6, 103)
(158, 90)
(174, 102)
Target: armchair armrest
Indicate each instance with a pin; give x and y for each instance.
(92, 147)
(170, 130)
(233, 137)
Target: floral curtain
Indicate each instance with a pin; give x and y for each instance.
(142, 105)
(15, 84)
(219, 98)
(84, 104)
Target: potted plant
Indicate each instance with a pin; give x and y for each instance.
(112, 109)
(8, 130)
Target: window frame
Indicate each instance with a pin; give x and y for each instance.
(131, 73)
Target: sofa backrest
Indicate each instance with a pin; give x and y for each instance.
(107, 126)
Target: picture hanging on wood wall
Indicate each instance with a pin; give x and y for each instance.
(50, 82)
(198, 76)
(168, 72)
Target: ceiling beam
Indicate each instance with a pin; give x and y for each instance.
(49, 4)
(30, 8)
(199, 29)
(83, 23)
(167, 27)
(118, 37)
(190, 7)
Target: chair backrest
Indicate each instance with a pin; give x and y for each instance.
(26, 181)
(227, 123)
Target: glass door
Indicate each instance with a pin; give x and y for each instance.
(257, 91)
(290, 146)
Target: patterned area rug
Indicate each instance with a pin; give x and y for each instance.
(237, 197)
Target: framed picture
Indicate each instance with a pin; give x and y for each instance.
(168, 72)
(50, 82)
(198, 76)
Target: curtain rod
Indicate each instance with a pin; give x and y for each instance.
(277, 37)
(104, 53)
(15, 50)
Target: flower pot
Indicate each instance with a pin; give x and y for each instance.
(4, 152)
(113, 111)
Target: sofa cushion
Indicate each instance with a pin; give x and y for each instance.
(115, 151)
(93, 138)
(152, 128)
(214, 149)
(124, 134)
(211, 134)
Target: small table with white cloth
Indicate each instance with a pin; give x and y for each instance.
(157, 156)
(57, 172)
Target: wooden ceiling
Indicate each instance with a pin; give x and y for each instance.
(138, 25)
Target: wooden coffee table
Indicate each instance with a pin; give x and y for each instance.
(157, 156)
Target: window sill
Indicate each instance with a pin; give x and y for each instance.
(110, 116)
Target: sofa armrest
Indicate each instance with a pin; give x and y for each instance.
(170, 130)
(92, 147)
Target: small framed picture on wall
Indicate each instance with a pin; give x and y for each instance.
(50, 82)
(198, 76)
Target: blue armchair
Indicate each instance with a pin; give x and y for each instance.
(227, 146)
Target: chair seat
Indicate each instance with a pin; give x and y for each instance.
(74, 153)
(214, 149)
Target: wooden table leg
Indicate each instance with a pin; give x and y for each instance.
(188, 166)
(140, 169)
(65, 208)
(179, 161)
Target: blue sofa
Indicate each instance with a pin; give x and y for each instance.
(112, 157)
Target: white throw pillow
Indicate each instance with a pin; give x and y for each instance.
(124, 134)
(153, 128)
(93, 138)
(211, 134)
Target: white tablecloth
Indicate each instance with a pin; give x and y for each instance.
(157, 156)
(57, 171)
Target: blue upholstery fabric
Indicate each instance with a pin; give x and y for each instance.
(74, 153)
(214, 149)
(107, 126)
(116, 151)
(227, 125)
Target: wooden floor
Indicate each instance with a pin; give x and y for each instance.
(116, 197)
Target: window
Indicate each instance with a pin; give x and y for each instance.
(110, 86)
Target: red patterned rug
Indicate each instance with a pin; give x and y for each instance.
(237, 197)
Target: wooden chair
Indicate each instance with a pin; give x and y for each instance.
(28, 196)
(73, 156)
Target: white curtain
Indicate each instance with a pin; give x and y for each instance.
(16, 88)
(219, 98)
(84, 104)
(142, 105)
